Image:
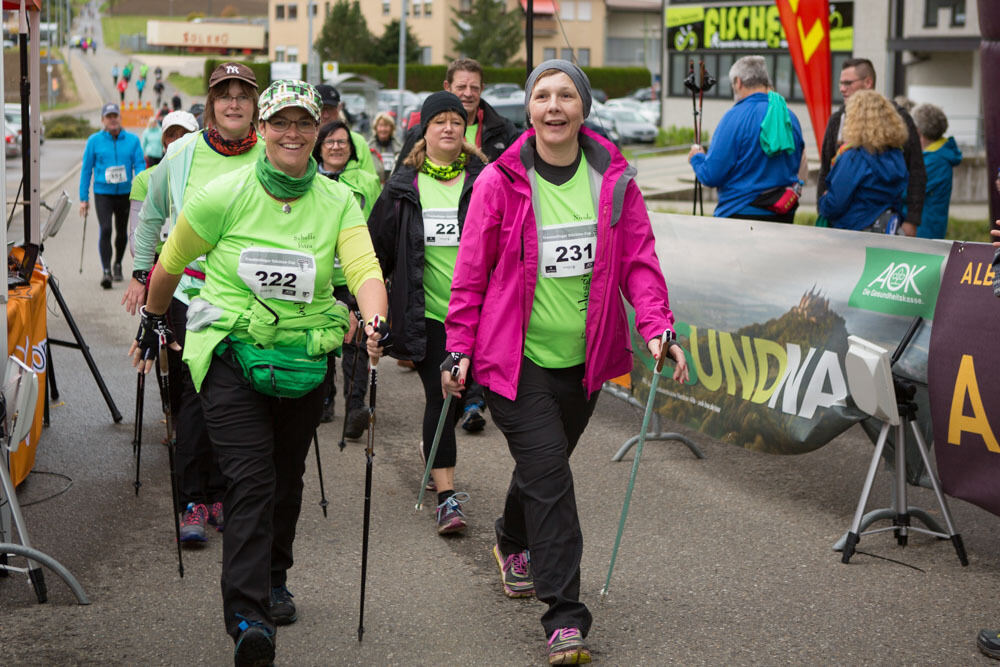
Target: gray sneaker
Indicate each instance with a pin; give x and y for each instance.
(193, 525)
(515, 573)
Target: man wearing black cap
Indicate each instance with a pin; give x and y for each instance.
(331, 112)
(111, 158)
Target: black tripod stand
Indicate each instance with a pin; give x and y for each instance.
(81, 345)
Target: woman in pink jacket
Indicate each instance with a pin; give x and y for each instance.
(556, 233)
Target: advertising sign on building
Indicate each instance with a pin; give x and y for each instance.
(745, 27)
(205, 35)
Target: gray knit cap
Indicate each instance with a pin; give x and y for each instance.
(580, 80)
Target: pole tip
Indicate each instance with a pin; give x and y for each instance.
(604, 593)
(418, 506)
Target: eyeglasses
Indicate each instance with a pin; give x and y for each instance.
(305, 126)
(335, 143)
(848, 83)
(239, 99)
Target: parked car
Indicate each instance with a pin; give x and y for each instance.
(631, 127)
(599, 95)
(502, 91)
(12, 142)
(512, 110)
(12, 114)
(648, 110)
(388, 100)
(643, 94)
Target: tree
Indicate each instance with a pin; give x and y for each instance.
(345, 36)
(386, 48)
(488, 33)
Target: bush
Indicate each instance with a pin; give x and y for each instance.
(195, 15)
(679, 136)
(66, 126)
(229, 11)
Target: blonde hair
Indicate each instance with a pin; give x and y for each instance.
(416, 156)
(384, 116)
(872, 122)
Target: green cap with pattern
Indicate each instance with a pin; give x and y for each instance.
(285, 93)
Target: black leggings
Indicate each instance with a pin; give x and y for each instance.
(109, 206)
(429, 369)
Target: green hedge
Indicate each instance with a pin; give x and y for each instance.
(615, 81)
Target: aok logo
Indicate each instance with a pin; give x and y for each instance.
(899, 276)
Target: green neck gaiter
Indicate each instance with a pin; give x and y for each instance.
(445, 173)
(281, 185)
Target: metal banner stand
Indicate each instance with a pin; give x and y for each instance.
(655, 432)
(26, 388)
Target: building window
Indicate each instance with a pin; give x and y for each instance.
(279, 54)
(326, 10)
(932, 7)
(548, 53)
(279, 12)
(566, 54)
(293, 12)
(779, 66)
(292, 54)
(427, 10)
(583, 57)
(425, 55)
(465, 6)
(314, 6)
(416, 9)
(386, 10)
(567, 10)
(583, 10)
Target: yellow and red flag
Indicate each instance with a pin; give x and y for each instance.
(807, 28)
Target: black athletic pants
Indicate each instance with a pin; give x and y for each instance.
(109, 206)
(262, 444)
(542, 426)
(354, 392)
(199, 479)
(429, 369)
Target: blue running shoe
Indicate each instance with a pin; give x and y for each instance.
(450, 518)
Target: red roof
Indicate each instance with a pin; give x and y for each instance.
(541, 6)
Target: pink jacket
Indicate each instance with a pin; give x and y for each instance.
(497, 268)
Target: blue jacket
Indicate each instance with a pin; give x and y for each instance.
(862, 185)
(738, 166)
(102, 154)
(939, 159)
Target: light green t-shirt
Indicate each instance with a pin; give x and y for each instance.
(439, 205)
(470, 133)
(366, 188)
(207, 165)
(285, 259)
(567, 246)
(140, 184)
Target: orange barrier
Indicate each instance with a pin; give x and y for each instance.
(26, 337)
(137, 115)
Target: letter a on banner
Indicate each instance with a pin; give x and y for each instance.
(807, 28)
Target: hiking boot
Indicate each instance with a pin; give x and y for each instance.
(282, 608)
(450, 518)
(216, 517)
(357, 423)
(515, 573)
(473, 420)
(193, 524)
(328, 410)
(988, 642)
(117, 275)
(254, 645)
(566, 647)
(106, 280)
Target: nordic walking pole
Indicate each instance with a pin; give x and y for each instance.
(140, 386)
(705, 83)
(379, 326)
(319, 468)
(657, 369)
(691, 84)
(83, 243)
(354, 373)
(434, 445)
(171, 443)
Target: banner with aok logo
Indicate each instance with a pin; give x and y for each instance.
(964, 378)
(764, 311)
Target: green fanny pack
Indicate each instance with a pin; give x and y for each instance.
(283, 372)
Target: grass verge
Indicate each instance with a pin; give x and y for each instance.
(190, 85)
(116, 26)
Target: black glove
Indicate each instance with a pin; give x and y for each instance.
(153, 332)
(450, 363)
(381, 327)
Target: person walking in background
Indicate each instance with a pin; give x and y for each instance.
(756, 152)
(158, 89)
(866, 185)
(416, 227)
(332, 111)
(127, 72)
(545, 329)
(941, 156)
(175, 102)
(122, 87)
(337, 158)
(152, 146)
(111, 158)
(385, 142)
(140, 84)
(143, 71)
(114, 74)
(858, 74)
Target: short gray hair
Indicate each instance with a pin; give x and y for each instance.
(930, 121)
(751, 71)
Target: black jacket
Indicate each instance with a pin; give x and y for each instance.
(396, 226)
(913, 155)
(498, 133)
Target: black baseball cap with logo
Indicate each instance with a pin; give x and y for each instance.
(329, 94)
(232, 71)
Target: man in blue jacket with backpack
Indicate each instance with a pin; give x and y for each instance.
(112, 157)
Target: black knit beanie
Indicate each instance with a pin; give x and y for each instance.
(440, 102)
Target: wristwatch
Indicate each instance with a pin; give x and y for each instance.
(141, 275)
